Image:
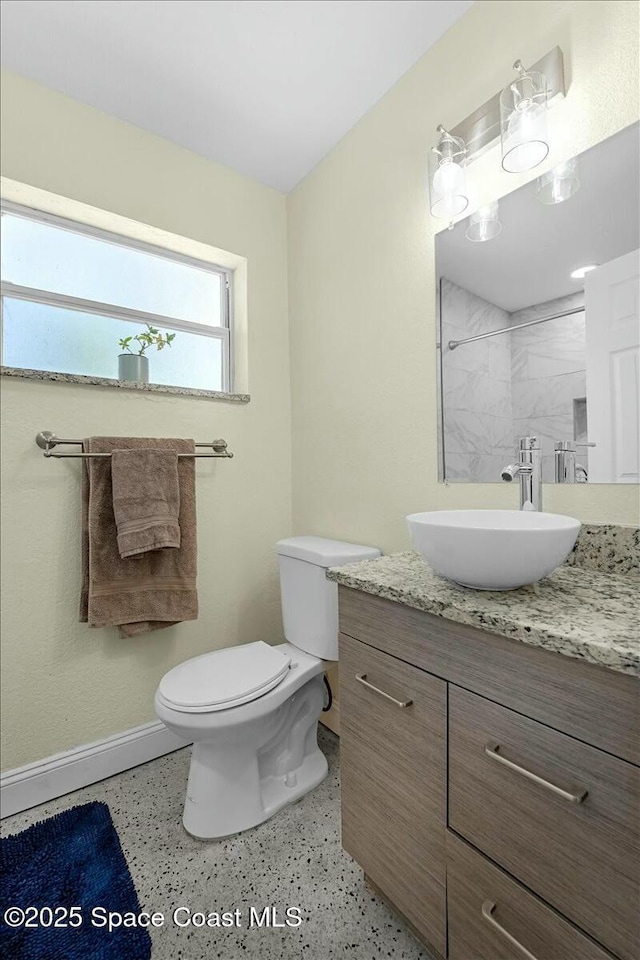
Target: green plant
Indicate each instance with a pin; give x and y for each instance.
(146, 339)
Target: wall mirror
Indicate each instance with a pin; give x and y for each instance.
(539, 328)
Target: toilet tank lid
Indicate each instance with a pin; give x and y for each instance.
(325, 553)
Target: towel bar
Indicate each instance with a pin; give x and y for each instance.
(47, 441)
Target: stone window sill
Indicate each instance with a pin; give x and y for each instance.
(24, 373)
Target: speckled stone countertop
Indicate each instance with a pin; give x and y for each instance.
(579, 612)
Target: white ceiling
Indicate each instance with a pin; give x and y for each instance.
(531, 260)
(266, 87)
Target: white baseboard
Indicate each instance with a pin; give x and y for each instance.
(47, 779)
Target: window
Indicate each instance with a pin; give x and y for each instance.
(70, 292)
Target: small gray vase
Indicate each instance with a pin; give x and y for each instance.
(133, 366)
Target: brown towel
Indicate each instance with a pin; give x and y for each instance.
(146, 500)
(148, 591)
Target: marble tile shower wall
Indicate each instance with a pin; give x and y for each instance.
(476, 383)
(548, 376)
(506, 387)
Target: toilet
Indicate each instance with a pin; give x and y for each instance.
(252, 711)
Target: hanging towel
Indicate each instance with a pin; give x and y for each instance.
(148, 591)
(146, 500)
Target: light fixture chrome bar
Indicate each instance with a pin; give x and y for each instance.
(454, 344)
(482, 127)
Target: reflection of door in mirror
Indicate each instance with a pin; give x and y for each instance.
(612, 297)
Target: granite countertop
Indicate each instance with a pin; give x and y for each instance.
(579, 612)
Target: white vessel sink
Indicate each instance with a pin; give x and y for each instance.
(493, 549)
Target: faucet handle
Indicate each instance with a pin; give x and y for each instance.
(569, 446)
(528, 443)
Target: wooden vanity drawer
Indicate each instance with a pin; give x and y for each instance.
(393, 761)
(491, 917)
(594, 704)
(579, 851)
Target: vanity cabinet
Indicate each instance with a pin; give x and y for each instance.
(492, 917)
(491, 783)
(561, 816)
(394, 756)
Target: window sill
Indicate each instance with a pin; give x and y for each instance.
(24, 373)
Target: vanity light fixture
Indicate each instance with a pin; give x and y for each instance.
(484, 224)
(517, 116)
(447, 180)
(580, 273)
(523, 121)
(559, 184)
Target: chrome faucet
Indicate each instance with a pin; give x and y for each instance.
(566, 468)
(528, 470)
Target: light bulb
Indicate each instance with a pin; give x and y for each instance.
(448, 179)
(559, 184)
(566, 169)
(523, 121)
(484, 224)
(522, 125)
(526, 138)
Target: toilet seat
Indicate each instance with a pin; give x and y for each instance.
(224, 678)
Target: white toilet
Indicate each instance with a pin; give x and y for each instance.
(252, 711)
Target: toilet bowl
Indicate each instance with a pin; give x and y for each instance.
(252, 711)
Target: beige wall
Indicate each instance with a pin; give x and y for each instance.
(362, 355)
(63, 684)
(361, 270)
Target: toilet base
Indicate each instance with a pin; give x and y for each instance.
(234, 784)
(276, 794)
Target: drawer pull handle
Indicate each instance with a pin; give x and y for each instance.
(487, 912)
(362, 678)
(579, 794)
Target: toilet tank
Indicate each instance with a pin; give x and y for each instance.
(309, 600)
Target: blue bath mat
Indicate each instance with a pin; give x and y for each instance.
(71, 860)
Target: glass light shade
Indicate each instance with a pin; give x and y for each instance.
(559, 184)
(523, 122)
(447, 177)
(484, 224)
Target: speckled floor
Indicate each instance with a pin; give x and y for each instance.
(293, 860)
